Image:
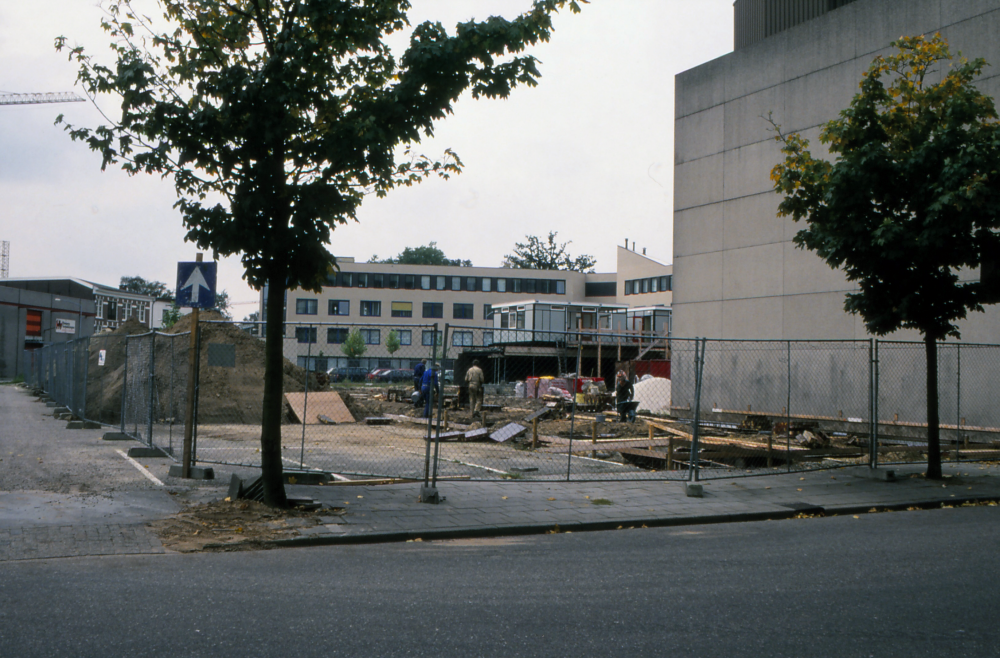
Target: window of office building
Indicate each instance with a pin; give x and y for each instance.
(402, 309)
(560, 287)
(461, 339)
(463, 312)
(456, 283)
(336, 335)
(306, 306)
(409, 281)
(371, 336)
(425, 282)
(362, 280)
(405, 336)
(486, 284)
(487, 338)
(371, 309)
(501, 285)
(440, 283)
(433, 310)
(305, 334)
(378, 280)
(394, 281)
(346, 279)
(427, 337)
(338, 307)
(487, 311)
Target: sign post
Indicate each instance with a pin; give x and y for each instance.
(195, 289)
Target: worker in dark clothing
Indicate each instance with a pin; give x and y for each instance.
(623, 397)
(428, 388)
(418, 374)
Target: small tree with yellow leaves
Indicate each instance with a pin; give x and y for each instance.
(911, 197)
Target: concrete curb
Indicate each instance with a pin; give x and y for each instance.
(487, 531)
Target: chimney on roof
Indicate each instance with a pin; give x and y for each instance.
(643, 251)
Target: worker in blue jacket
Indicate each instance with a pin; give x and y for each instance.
(428, 386)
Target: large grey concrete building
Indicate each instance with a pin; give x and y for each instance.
(737, 272)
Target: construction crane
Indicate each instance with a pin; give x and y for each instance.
(12, 98)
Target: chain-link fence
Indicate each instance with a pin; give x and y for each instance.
(135, 383)
(514, 403)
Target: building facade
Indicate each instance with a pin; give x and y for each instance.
(738, 273)
(408, 299)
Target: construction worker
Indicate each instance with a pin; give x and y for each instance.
(474, 378)
(623, 396)
(428, 388)
(418, 374)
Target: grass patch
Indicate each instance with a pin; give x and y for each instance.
(601, 501)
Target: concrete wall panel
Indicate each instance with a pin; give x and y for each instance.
(698, 182)
(753, 220)
(828, 40)
(758, 67)
(805, 272)
(698, 135)
(881, 22)
(748, 169)
(700, 88)
(752, 272)
(702, 319)
(752, 318)
(817, 316)
(698, 230)
(698, 278)
(815, 99)
(746, 117)
(953, 11)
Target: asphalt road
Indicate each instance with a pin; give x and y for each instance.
(895, 584)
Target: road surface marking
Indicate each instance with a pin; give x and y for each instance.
(142, 469)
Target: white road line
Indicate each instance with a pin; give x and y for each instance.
(142, 469)
(335, 476)
(454, 461)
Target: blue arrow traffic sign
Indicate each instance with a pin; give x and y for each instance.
(196, 285)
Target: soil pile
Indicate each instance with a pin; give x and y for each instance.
(225, 394)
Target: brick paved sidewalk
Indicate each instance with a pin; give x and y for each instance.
(392, 512)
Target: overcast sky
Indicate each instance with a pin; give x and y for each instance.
(588, 153)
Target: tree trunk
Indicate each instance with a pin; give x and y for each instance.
(933, 429)
(270, 430)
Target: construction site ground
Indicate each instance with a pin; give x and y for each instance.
(66, 493)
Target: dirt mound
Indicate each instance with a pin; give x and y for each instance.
(225, 394)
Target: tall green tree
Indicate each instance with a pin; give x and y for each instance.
(430, 254)
(141, 286)
(910, 200)
(536, 254)
(276, 117)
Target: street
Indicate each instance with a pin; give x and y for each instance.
(909, 584)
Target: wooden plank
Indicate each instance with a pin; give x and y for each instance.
(327, 403)
(508, 431)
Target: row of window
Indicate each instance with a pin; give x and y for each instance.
(338, 336)
(373, 309)
(441, 282)
(654, 284)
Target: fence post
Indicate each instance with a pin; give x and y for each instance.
(152, 384)
(124, 384)
(873, 443)
(788, 413)
(699, 364)
(305, 403)
(572, 409)
(197, 392)
(428, 494)
(440, 405)
(86, 375)
(958, 403)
